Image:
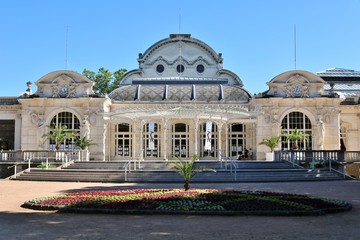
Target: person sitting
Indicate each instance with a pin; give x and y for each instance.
(246, 154)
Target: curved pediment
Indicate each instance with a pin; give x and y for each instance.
(296, 83)
(177, 56)
(64, 84)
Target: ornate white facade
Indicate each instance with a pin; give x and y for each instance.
(165, 107)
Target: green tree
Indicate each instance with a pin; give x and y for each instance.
(105, 81)
(188, 170)
(271, 142)
(59, 134)
(296, 136)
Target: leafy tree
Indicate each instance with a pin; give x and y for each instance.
(59, 134)
(105, 81)
(271, 142)
(188, 170)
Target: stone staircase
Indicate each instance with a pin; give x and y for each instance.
(160, 171)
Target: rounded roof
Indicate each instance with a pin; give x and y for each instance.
(296, 84)
(162, 61)
(304, 76)
(174, 38)
(77, 77)
(180, 93)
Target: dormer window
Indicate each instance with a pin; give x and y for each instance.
(200, 68)
(180, 68)
(160, 68)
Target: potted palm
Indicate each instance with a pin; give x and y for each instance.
(296, 136)
(58, 134)
(83, 143)
(271, 143)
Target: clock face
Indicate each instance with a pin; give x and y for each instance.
(296, 90)
(63, 91)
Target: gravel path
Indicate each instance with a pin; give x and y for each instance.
(20, 223)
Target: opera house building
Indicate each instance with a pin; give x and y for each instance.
(181, 101)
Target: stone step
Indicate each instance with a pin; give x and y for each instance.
(160, 171)
(101, 175)
(158, 165)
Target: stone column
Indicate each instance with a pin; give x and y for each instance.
(164, 137)
(135, 139)
(141, 139)
(220, 125)
(226, 140)
(106, 141)
(196, 133)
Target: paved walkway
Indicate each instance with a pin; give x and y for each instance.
(20, 223)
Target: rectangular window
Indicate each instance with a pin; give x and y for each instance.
(7, 134)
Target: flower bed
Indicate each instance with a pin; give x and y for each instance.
(194, 201)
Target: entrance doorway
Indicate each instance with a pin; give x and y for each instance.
(237, 140)
(152, 148)
(180, 140)
(123, 140)
(213, 153)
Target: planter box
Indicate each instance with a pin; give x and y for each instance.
(270, 156)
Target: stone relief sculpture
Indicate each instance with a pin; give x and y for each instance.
(37, 119)
(296, 90)
(63, 90)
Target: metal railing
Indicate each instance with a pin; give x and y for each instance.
(127, 167)
(233, 167)
(333, 160)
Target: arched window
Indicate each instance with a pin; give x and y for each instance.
(299, 121)
(72, 123)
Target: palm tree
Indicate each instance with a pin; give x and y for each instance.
(83, 143)
(59, 134)
(187, 170)
(271, 142)
(296, 136)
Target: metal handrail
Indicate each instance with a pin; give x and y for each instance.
(233, 164)
(331, 169)
(127, 168)
(316, 156)
(15, 172)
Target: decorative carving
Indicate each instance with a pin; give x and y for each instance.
(64, 90)
(324, 115)
(296, 90)
(37, 118)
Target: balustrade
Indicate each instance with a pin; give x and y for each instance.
(57, 156)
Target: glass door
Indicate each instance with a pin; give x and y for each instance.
(180, 140)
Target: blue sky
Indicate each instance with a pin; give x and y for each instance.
(256, 37)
